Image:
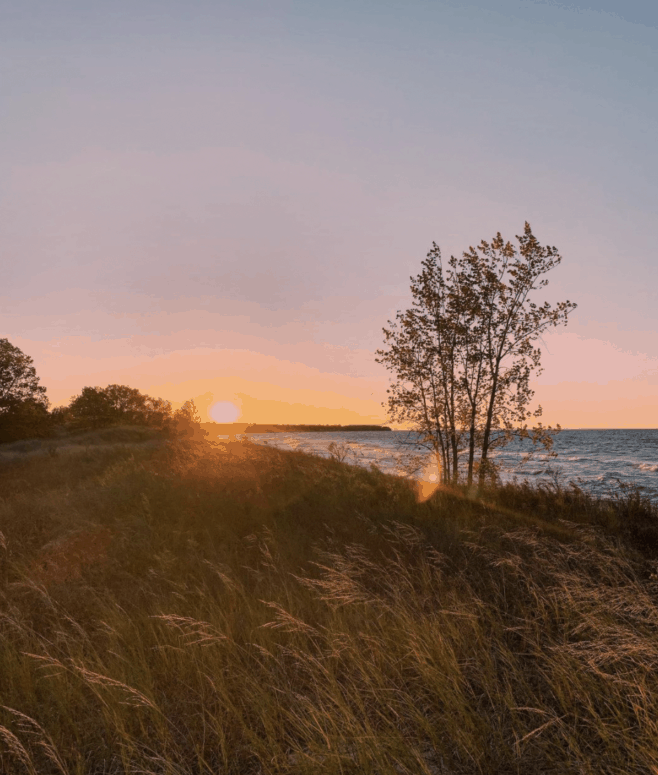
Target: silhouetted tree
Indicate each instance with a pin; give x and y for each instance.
(28, 419)
(92, 409)
(187, 422)
(23, 401)
(97, 407)
(158, 412)
(60, 415)
(464, 353)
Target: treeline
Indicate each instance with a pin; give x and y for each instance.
(262, 428)
(24, 406)
(96, 408)
(25, 413)
(234, 428)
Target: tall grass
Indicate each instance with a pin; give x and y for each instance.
(185, 609)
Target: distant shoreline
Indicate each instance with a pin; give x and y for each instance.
(236, 427)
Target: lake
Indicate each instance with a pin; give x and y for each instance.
(595, 459)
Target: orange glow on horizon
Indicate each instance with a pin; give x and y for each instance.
(269, 389)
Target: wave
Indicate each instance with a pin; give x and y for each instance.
(646, 466)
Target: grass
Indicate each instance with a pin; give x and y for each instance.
(63, 441)
(181, 609)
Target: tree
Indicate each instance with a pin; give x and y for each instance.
(27, 419)
(464, 353)
(93, 408)
(18, 378)
(97, 407)
(60, 415)
(23, 401)
(187, 422)
(157, 412)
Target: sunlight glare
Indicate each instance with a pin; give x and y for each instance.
(429, 480)
(224, 411)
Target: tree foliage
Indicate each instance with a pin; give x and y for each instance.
(18, 378)
(97, 407)
(187, 422)
(23, 401)
(463, 354)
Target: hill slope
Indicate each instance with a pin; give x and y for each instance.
(201, 609)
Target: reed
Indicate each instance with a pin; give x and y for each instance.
(183, 609)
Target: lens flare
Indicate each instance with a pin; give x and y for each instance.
(429, 480)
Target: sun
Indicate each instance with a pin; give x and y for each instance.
(224, 411)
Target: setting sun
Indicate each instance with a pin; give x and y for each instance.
(224, 411)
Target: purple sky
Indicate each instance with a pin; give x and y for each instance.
(226, 199)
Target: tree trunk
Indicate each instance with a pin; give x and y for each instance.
(487, 429)
(471, 450)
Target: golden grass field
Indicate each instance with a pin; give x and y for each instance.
(182, 608)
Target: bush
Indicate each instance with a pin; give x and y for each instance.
(25, 420)
(97, 407)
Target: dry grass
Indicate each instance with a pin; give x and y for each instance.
(67, 442)
(187, 609)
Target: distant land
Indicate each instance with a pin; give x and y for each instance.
(232, 428)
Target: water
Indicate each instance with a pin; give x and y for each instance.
(598, 458)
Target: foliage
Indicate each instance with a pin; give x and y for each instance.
(24, 420)
(60, 415)
(23, 401)
(463, 354)
(97, 407)
(187, 422)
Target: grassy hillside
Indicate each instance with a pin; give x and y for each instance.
(179, 609)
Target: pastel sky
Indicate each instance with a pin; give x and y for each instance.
(225, 200)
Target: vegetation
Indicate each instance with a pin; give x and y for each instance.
(191, 608)
(23, 401)
(97, 407)
(462, 356)
(234, 428)
(258, 428)
(24, 411)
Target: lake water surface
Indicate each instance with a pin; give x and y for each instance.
(595, 459)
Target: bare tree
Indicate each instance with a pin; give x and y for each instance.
(463, 355)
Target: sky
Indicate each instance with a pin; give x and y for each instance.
(225, 200)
